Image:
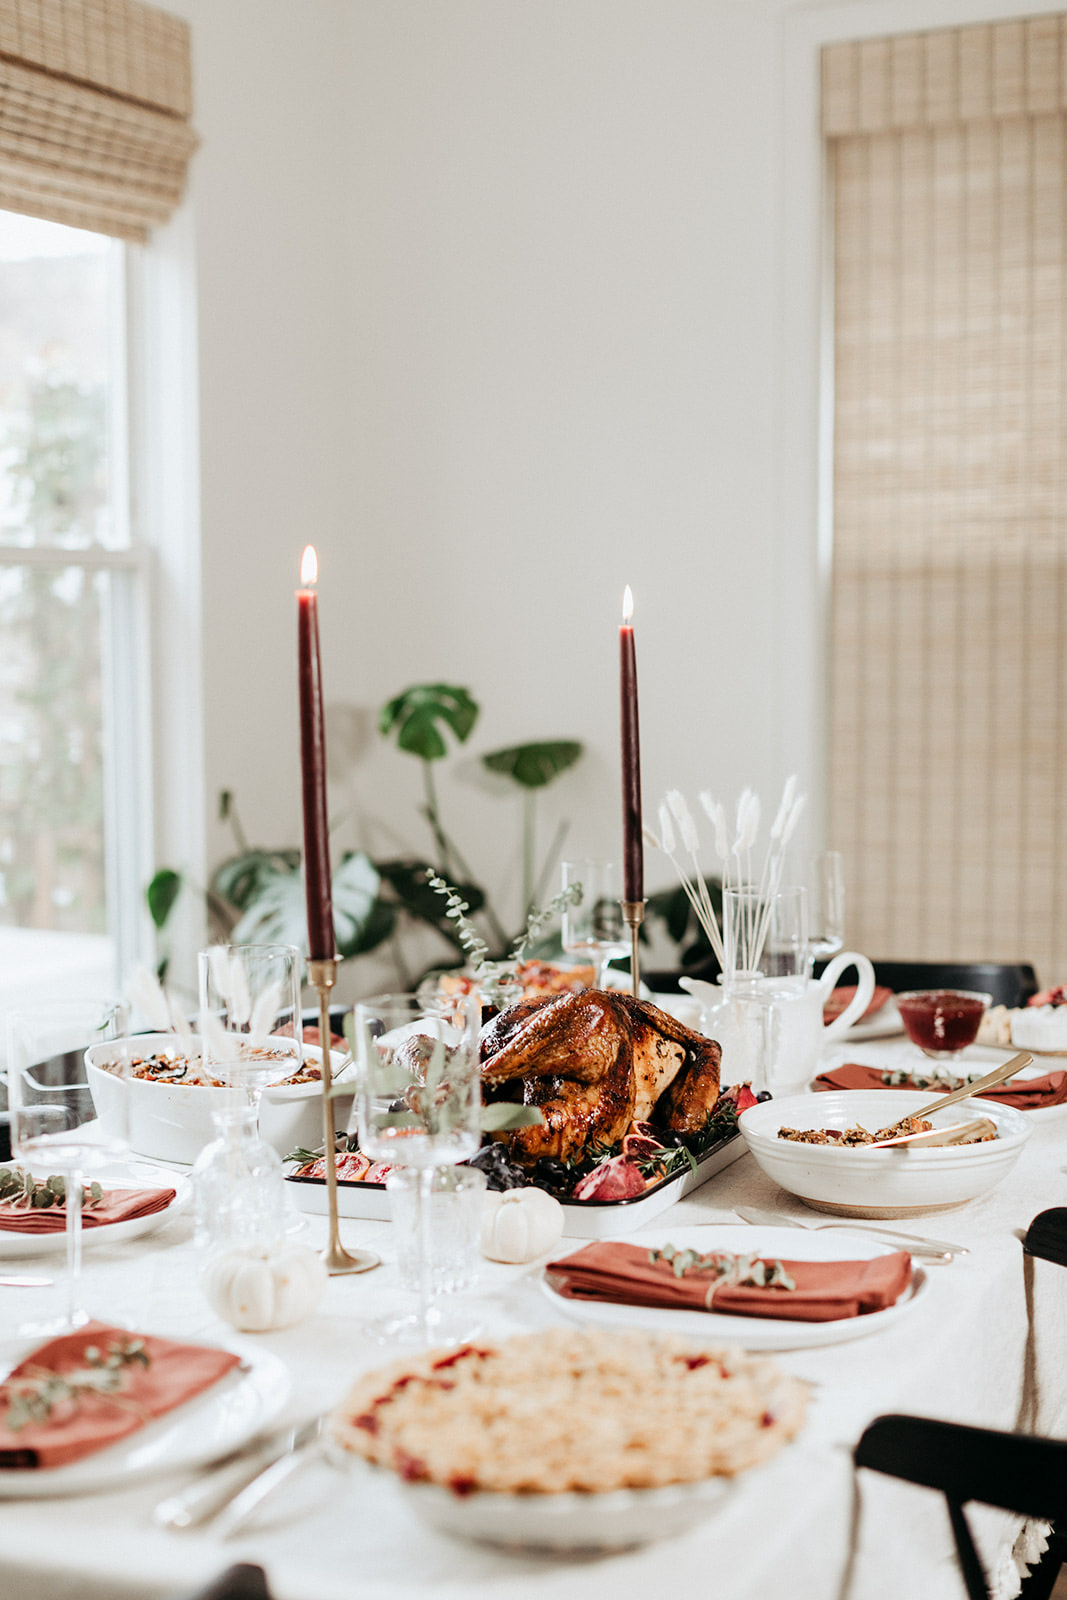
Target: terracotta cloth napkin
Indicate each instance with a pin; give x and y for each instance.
(175, 1373)
(1031, 1094)
(118, 1205)
(840, 998)
(825, 1290)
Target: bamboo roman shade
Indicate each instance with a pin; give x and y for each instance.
(949, 623)
(95, 101)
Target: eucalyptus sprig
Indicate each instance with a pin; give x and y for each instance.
(477, 950)
(33, 1397)
(723, 1264)
(456, 911)
(20, 1190)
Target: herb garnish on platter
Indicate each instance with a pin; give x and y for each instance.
(34, 1396)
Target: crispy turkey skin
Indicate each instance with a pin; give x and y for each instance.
(593, 1063)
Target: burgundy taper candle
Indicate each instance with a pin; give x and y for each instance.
(633, 847)
(317, 887)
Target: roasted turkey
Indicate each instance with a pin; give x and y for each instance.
(594, 1063)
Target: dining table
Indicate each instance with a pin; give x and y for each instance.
(982, 1344)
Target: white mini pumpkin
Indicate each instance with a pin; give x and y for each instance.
(520, 1225)
(256, 1289)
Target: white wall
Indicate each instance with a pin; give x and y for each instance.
(506, 304)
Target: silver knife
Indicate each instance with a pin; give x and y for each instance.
(307, 1448)
(212, 1493)
(932, 1249)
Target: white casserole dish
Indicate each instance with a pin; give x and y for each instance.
(855, 1181)
(172, 1121)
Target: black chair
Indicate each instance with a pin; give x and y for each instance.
(240, 1582)
(1010, 984)
(1047, 1236)
(1013, 1470)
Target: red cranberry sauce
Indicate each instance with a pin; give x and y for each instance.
(941, 1020)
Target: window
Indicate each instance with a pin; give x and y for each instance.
(949, 622)
(74, 757)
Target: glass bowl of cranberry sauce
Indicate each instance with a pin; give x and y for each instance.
(942, 1022)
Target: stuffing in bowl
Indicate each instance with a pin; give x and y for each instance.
(172, 1096)
(846, 1176)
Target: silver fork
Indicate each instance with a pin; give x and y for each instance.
(929, 1249)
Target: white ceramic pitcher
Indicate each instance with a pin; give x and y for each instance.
(771, 1030)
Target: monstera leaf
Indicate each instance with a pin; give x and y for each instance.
(415, 716)
(240, 879)
(278, 914)
(534, 765)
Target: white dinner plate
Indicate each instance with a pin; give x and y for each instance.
(203, 1429)
(886, 1022)
(753, 1333)
(136, 1175)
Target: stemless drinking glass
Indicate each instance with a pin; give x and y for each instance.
(765, 935)
(418, 1105)
(53, 1128)
(593, 927)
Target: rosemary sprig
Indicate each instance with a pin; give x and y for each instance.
(20, 1190)
(34, 1397)
(663, 1162)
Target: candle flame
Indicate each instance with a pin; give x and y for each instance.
(309, 565)
(627, 605)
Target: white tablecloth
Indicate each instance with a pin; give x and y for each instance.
(786, 1529)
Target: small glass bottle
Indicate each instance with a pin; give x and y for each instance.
(238, 1184)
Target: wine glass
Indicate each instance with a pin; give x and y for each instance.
(823, 875)
(250, 1018)
(54, 1132)
(593, 926)
(418, 1105)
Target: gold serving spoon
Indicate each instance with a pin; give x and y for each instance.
(963, 1131)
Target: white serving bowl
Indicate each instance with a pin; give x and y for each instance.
(172, 1121)
(855, 1181)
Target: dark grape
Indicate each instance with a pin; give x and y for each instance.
(670, 1137)
(764, 1094)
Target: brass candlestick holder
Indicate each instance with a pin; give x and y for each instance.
(323, 975)
(634, 914)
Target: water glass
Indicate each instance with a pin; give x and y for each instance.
(765, 935)
(457, 1199)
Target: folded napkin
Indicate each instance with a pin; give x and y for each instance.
(840, 998)
(825, 1290)
(87, 1422)
(118, 1205)
(1026, 1094)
